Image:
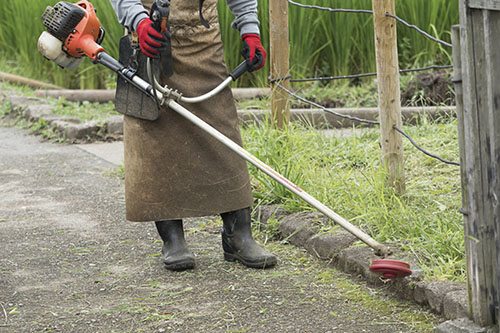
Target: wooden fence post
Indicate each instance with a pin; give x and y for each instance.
(480, 55)
(457, 80)
(389, 95)
(279, 60)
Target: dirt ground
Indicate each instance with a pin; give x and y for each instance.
(69, 262)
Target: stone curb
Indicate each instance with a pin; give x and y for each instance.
(341, 249)
(463, 325)
(35, 109)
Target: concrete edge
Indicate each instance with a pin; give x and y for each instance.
(322, 119)
(463, 325)
(344, 252)
(35, 109)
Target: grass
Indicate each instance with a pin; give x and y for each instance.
(84, 111)
(423, 322)
(321, 43)
(324, 43)
(19, 45)
(344, 172)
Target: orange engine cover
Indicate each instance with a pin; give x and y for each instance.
(83, 40)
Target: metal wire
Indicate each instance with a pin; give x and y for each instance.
(419, 30)
(425, 68)
(328, 78)
(365, 11)
(359, 11)
(422, 149)
(366, 121)
(356, 76)
(279, 79)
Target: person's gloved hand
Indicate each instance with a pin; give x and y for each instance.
(151, 41)
(253, 52)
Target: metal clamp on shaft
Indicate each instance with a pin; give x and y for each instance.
(170, 93)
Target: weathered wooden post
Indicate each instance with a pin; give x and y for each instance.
(279, 60)
(480, 150)
(389, 101)
(457, 80)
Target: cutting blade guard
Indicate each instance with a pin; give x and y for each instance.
(391, 269)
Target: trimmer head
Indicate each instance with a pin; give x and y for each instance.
(390, 269)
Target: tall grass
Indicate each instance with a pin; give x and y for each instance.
(20, 27)
(324, 43)
(321, 43)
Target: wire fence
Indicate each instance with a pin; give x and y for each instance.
(277, 81)
(364, 121)
(358, 76)
(365, 11)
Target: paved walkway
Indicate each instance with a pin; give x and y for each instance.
(110, 152)
(70, 263)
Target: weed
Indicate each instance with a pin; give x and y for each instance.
(5, 109)
(84, 111)
(118, 172)
(272, 228)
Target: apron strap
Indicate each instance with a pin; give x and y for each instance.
(203, 21)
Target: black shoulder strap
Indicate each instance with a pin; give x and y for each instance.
(203, 21)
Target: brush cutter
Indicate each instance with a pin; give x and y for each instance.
(73, 32)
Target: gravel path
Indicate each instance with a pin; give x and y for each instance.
(69, 262)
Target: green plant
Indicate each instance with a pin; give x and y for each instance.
(344, 172)
(321, 43)
(325, 43)
(19, 32)
(84, 111)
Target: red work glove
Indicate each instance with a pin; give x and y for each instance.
(150, 40)
(253, 52)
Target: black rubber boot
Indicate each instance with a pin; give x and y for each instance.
(175, 254)
(238, 243)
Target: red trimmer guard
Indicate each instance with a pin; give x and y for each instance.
(390, 269)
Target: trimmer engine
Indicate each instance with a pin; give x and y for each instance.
(73, 31)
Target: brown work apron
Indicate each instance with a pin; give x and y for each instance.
(173, 169)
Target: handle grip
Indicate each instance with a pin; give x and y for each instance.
(239, 71)
(160, 11)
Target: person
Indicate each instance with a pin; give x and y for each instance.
(173, 170)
